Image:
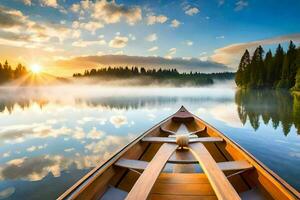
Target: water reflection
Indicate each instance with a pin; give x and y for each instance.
(51, 137)
(271, 106)
(113, 98)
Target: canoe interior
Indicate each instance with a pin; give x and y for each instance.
(187, 179)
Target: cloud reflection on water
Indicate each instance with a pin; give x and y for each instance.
(71, 130)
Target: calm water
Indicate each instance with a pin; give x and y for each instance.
(51, 137)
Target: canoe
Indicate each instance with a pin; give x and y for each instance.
(182, 157)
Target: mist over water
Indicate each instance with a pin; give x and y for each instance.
(51, 136)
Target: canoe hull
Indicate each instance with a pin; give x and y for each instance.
(94, 184)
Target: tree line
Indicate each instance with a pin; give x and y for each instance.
(7, 73)
(158, 75)
(281, 70)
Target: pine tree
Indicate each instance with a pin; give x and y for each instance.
(288, 69)
(241, 77)
(268, 67)
(277, 67)
(256, 67)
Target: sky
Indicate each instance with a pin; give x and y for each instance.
(68, 36)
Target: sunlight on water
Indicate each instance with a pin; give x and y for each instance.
(50, 137)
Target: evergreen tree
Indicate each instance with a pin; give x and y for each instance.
(241, 77)
(256, 67)
(268, 67)
(288, 69)
(277, 67)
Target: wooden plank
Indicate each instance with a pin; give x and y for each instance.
(144, 184)
(193, 189)
(182, 154)
(128, 181)
(181, 197)
(173, 140)
(182, 186)
(190, 136)
(234, 165)
(223, 189)
(224, 166)
(182, 178)
(132, 164)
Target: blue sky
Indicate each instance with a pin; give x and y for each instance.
(201, 35)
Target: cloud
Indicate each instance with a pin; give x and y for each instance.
(189, 43)
(86, 4)
(191, 11)
(231, 54)
(220, 37)
(76, 34)
(118, 42)
(240, 5)
(32, 169)
(36, 168)
(94, 134)
(132, 37)
(27, 2)
(110, 12)
(152, 37)
(92, 26)
(171, 52)
(75, 7)
(109, 144)
(19, 133)
(227, 113)
(152, 19)
(82, 43)
(118, 121)
(84, 120)
(153, 48)
(69, 149)
(175, 23)
(10, 18)
(49, 3)
(18, 30)
(194, 64)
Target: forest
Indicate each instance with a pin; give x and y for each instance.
(160, 76)
(278, 71)
(145, 77)
(7, 73)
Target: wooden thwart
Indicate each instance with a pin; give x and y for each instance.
(173, 140)
(224, 166)
(222, 187)
(172, 133)
(144, 184)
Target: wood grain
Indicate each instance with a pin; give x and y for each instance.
(222, 187)
(144, 184)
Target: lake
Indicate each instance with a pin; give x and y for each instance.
(51, 136)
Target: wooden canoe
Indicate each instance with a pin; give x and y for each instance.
(153, 166)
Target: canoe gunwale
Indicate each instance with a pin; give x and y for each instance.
(293, 192)
(97, 171)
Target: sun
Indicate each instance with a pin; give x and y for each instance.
(36, 68)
